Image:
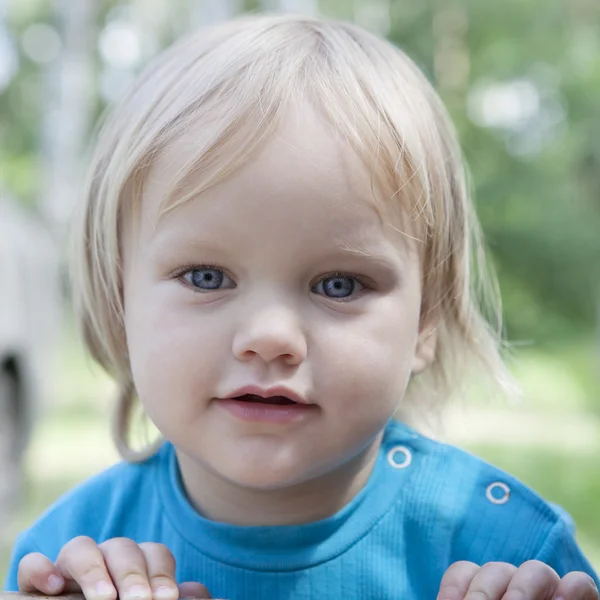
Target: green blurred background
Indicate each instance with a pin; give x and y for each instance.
(521, 79)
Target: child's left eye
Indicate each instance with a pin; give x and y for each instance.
(338, 286)
(206, 279)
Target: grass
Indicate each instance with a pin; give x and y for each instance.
(72, 441)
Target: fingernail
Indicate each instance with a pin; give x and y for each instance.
(104, 589)
(164, 592)
(135, 592)
(55, 584)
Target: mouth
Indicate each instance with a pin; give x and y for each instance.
(275, 405)
(276, 400)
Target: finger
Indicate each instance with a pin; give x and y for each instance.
(127, 567)
(160, 567)
(533, 580)
(576, 586)
(191, 589)
(39, 574)
(491, 581)
(82, 565)
(456, 580)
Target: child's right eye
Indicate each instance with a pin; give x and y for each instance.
(207, 279)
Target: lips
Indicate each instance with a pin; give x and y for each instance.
(277, 395)
(278, 400)
(275, 405)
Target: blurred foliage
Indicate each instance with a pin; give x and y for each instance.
(525, 103)
(537, 180)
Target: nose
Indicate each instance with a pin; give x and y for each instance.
(271, 334)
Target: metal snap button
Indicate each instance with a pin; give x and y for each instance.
(406, 457)
(497, 499)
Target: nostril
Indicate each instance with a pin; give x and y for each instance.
(293, 360)
(269, 353)
(274, 341)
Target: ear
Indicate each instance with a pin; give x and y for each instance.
(426, 347)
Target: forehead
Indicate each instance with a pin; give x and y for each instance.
(305, 173)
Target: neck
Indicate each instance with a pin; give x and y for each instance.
(321, 497)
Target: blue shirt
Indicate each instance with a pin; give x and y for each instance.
(425, 506)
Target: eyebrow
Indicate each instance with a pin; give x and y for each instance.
(356, 249)
(349, 247)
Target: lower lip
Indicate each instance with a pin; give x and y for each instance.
(270, 413)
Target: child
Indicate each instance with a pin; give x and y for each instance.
(274, 257)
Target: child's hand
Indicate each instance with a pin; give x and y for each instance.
(533, 580)
(117, 566)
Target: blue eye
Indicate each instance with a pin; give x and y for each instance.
(207, 279)
(337, 286)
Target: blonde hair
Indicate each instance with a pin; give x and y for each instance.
(237, 79)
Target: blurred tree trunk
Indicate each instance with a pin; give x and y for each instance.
(451, 53)
(67, 113)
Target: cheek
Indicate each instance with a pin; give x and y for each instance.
(370, 358)
(174, 351)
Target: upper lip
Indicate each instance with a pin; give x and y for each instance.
(278, 390)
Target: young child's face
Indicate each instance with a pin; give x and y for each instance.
(283, 275)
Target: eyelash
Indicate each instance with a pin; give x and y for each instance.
(179, 273)
(362, 280)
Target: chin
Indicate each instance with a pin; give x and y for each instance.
(266, 477)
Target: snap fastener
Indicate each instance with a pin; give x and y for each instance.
(406, 454)
(494, 499)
